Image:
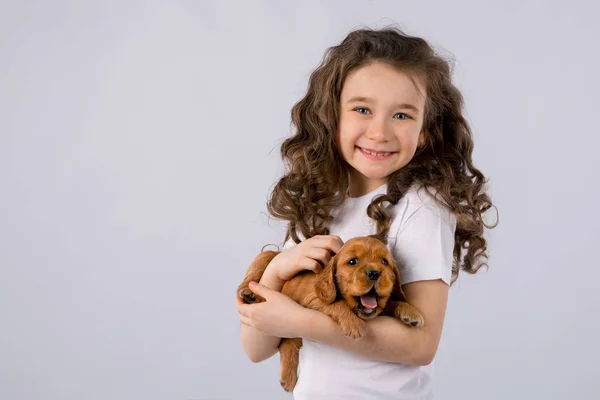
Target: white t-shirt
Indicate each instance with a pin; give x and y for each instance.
(421, 238)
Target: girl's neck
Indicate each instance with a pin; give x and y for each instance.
(361, 187)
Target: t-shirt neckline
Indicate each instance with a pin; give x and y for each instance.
(380, 190)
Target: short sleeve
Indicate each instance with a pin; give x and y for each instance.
(424, 244)
(288, 243)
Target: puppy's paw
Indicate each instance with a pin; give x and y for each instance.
(416, 322)
(353, 327)
(288, 380)
(249, 296)
(409, 315)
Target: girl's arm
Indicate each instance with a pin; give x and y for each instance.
(308, 255)
(388, 339)
(257, 345)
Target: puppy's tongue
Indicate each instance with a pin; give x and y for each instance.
(368, 301)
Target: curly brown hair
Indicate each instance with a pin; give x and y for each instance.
(316, 176)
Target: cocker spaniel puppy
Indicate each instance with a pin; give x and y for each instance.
(359, 283)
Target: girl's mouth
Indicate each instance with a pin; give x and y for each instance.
(375, 155)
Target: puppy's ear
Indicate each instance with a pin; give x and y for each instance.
(397, 293)
(325, 287)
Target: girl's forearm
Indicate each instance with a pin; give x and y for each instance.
(257, 345)
(386, 339)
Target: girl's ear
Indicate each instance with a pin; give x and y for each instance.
(422, 139)
(325, 287)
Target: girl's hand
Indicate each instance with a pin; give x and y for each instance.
(278, 316)
(312, 254)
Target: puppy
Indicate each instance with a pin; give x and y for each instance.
(359, 283)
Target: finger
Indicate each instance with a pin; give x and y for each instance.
(245, 320)
(330, 242)
(311, 264)
(260, 290)
(244, 309)
(319, 254)
(335, 244)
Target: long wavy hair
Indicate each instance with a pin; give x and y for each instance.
(316, 178)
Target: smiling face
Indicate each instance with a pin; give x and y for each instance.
(365, 275)
(381, 115)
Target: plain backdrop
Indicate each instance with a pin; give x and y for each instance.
(139, 142)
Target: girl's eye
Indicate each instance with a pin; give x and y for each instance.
(384, 261)
(353, 261)
(401, 116)
(362, 110)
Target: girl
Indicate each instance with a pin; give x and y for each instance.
(381, 148)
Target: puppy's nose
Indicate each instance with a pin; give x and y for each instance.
(373, 274)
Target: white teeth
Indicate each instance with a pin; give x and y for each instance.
(376, 154)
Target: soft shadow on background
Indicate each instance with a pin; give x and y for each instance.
(138, 144)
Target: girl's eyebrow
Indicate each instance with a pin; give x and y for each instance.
(361, 99)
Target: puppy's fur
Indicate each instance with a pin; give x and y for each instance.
(359, 283)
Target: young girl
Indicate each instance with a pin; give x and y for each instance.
(381, 148)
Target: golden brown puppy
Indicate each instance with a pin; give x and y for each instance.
(359, 283)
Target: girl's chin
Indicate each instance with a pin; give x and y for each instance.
(375, 173)
(374, 178)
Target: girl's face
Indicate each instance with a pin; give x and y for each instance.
(381, 114)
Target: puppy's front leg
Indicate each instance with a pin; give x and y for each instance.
(405, 312)
(340, 312)
(254, 273)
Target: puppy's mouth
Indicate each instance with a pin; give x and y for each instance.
(367, 303)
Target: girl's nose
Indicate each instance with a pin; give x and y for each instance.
(379, 131)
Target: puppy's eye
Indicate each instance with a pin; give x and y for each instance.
(353, 261)
(384, 261)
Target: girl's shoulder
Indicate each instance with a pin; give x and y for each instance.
(422, 237)
(422, 196)
(421, 204)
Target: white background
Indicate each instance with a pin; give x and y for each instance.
(138, 144)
